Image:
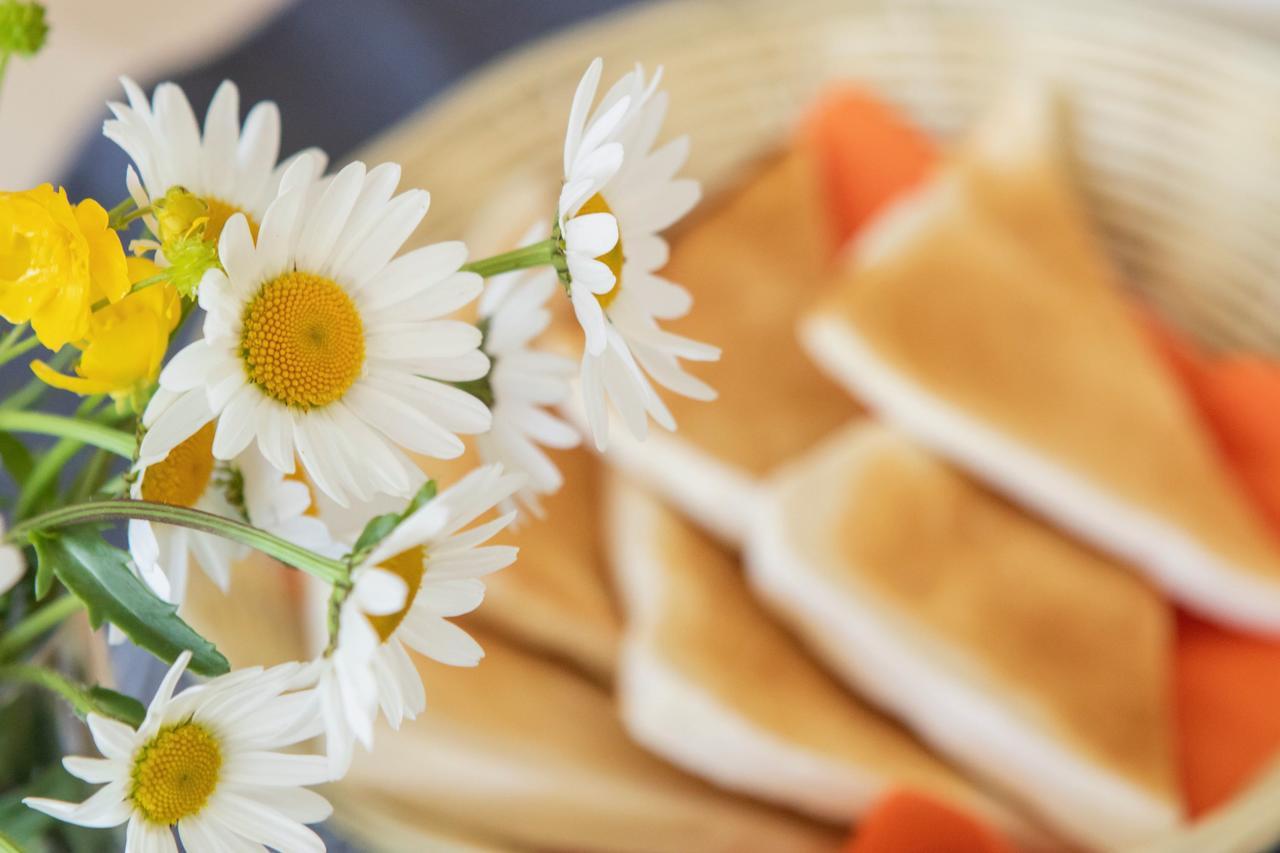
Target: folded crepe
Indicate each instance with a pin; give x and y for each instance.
(1028, 658)
(709, 681)
(752, 260)
(529, 753)
(982, 317)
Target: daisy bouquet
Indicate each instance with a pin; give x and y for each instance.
(258, 363)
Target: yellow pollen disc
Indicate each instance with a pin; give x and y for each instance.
(181, 477)
(613, 258)
(409, 566)
(175, 773)
(303, 340)
(219, 213)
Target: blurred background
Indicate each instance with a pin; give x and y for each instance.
(324, 55)
(343, 73)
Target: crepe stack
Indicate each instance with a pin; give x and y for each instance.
(752, 261)
(1028, 658)
(981, 316)
(711, 683)
(524, 752)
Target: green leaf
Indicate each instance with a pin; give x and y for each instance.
(380, 526)
(122, 707)
(44, 563)
(375, 531)
(16, 458)
(425, 494)
(98, 574)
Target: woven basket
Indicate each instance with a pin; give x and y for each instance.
(1176, 130)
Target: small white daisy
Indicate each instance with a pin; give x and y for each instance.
(188, 476)
(247, 488)
(321, 347)
(619, 193)
(525, 383)
(424, 571)
(206, 761)
(232, 168)
(12, 564)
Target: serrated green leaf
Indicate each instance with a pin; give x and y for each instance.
(16, 458)
(99, 575)
(122, 707)
(44, 563)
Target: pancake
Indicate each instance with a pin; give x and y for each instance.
(1033, 661)
(555, 597)
(531, 754)
(752, 260)
(710, 682)
(982, 317)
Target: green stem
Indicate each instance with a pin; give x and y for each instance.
(36, 624)
(77, 429)
(92, 475)
(115, 214)
(10, 351)
(537, 255)
(79, 696)
(35, 388)
(121, 222)
(44, 473)
(328, 570)
(12, 335)
(29, 673)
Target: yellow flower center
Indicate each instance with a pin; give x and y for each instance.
(614, 258)
(181, 477)
(175, 773)
(219, 212)
(303, 340)
(409, 566)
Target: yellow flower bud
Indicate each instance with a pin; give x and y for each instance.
(179, 213)
(56, 262)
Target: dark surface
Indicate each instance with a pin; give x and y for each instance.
(341, 71)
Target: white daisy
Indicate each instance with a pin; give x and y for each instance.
(247, 488)
(619, 193)
(423, 572)
(232, 168)
(524, 383)
(12, 564)
(320, 346)
(205, 761)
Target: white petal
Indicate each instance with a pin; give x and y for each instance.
(275, 769)
(592, 234)
(441, 641)
(113, 738)
(379, 592)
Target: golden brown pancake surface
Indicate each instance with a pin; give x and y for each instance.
(532, 753)
(1073, 638)
(1031, 659)
(691, 613)
(753, 261)
(988, 293)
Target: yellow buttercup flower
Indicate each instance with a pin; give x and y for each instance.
(56, 262)
(126, 341)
